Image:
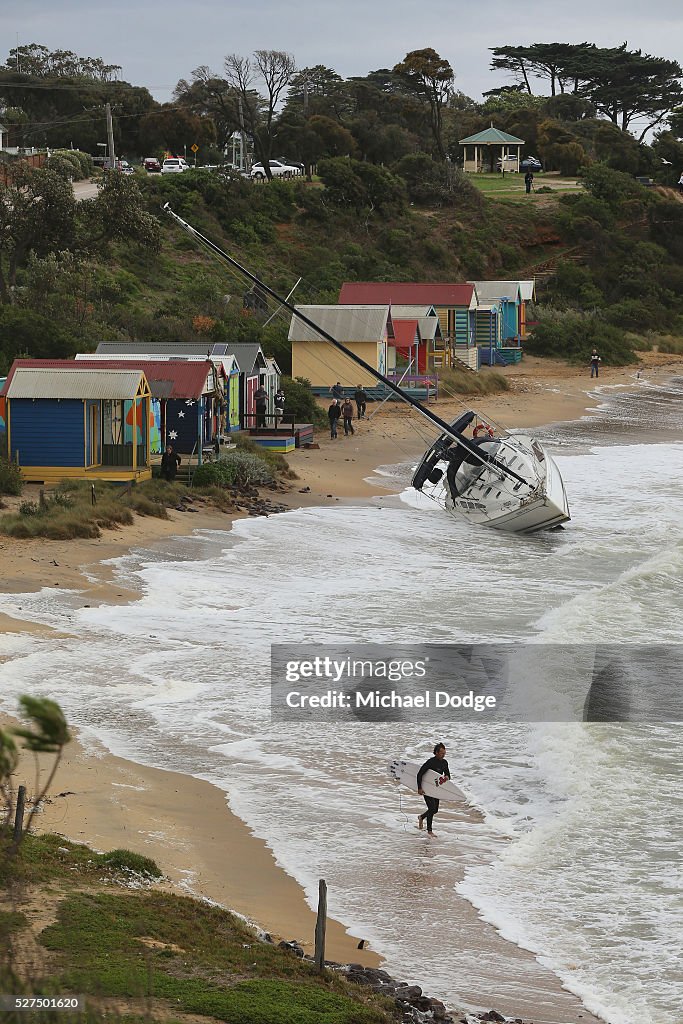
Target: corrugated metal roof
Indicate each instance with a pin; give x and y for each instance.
(413, 312)
(489, 290)
(178, 349)
(248, 356)
(166, 378)
(345, 323)
(370, 293)
(429, 327)
(492, 137)
(228, 362)
(48, 382)
(405, 333)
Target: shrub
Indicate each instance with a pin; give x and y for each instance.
(29, 508)
(131, 863)
(241, 469)
(10, 477)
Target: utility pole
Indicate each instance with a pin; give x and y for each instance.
(110, 137)
(244, 162)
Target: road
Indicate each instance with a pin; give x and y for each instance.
(84, 190)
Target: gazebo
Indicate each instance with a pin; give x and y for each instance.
(484, 150)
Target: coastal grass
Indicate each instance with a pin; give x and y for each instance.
(121, 943)
(454, 380)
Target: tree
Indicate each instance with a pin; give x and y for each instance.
(210, 96)
(117, 214)
(275, 69)
(630, 85)
(174, 129)
(48, 733)
(37, 214)
(430, 77)
(553, 62)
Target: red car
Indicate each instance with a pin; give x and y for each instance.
(151, 165)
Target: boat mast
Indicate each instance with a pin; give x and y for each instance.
(427, 413)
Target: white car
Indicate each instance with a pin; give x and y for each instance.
(174, 165)
(277, 168)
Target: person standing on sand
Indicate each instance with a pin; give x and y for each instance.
(170, 461)
(437, 764)
(347, 413)
(333, 414)
(361, 400)
(595, 363)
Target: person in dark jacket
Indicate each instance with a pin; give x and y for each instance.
(437, 764)
(261, 404)
(529, 181)
(361, 400)
(170, 461)
(347, 413)
(333, 414)
(337, 391)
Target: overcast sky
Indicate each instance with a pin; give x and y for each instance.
(158, 42)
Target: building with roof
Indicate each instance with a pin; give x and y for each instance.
(514, 297)
(189, 402)
(75, 422)
(454, 304)
(245, 365)
(490, 151)
(362, 329)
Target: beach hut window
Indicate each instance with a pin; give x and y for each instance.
(112, 418)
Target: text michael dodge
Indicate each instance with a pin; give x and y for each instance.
(389, 699)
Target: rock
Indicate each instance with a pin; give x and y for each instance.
(493, 1015)
(307, 490)
(292, 947)
(409, 992)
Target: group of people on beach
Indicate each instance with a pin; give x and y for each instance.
(341, 407)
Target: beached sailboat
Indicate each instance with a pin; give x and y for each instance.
(506, 481)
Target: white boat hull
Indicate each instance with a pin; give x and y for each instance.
(482, 495)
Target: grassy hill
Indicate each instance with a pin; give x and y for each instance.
(625, 274)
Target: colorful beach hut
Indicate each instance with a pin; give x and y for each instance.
(185, 351)
(188, 400)
(76, 422)
(508, 295)
(454, 304)
(362, 329)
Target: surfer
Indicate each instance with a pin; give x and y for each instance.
(437, 764)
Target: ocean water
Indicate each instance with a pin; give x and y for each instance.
(571, 846)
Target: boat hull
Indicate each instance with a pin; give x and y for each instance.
(490, 501)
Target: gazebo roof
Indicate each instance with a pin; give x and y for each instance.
(492, 137)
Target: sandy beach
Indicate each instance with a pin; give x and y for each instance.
(185, 823)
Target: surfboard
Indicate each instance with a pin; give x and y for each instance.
(433, 784)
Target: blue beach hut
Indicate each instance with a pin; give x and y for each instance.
(77, 423)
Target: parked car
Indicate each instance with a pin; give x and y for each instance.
(174, 165)
(293, 163)
(507, 163)
(531, 163)
(278, 169)
(151, 165)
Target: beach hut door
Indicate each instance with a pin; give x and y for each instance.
(94, 452)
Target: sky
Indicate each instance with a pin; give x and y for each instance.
(158, 42)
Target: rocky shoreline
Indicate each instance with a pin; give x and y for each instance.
(414, 1005)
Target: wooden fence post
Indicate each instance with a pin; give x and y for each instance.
(19, 813)
(320, 925)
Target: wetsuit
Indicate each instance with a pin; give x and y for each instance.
(440, 766)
